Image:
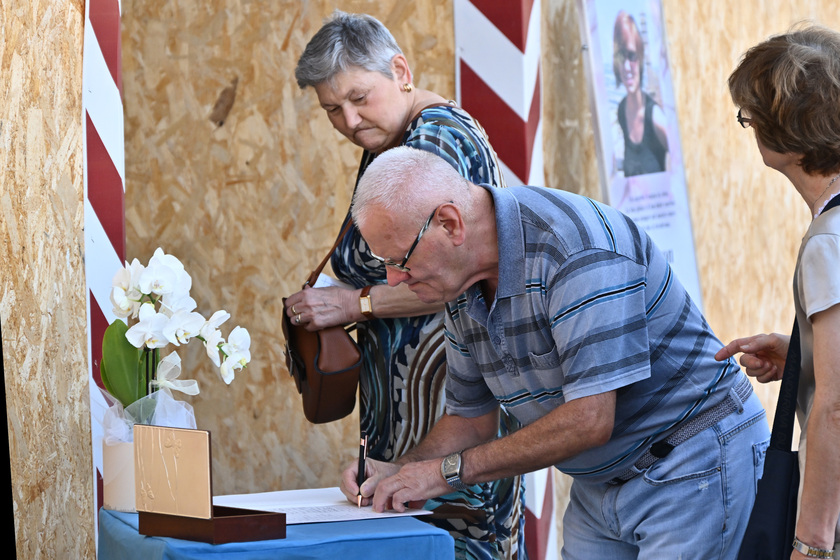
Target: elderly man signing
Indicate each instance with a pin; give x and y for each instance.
(564, 312)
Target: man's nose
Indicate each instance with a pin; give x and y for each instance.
(394, 276)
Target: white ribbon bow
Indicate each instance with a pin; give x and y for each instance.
(168, 371)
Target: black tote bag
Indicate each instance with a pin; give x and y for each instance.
(772, 523)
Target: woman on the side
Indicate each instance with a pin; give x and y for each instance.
(364, 84)
(788, 93)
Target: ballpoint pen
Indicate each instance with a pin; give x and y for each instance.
(360, 476)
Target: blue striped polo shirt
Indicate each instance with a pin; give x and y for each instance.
(585, 304)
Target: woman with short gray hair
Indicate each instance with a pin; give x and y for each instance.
(364, 83)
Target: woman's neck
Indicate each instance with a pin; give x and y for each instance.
(423, 98)
(635, 99)
(815, 190)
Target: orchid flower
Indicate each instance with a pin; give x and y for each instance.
(170, 304)
(239, 343)
(215, 321)
(148, 330)
(125, 294)
(157, 279)
(182, 326)
(230, 365)
(183, 282)
(212, 341)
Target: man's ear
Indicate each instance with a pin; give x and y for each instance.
(450, 217)
(400, 69)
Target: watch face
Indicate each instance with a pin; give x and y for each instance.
(450, 465)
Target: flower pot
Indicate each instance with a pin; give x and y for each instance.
(118, 477)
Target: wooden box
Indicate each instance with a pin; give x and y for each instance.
(174, 491)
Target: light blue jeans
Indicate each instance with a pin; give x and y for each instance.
(692, 504)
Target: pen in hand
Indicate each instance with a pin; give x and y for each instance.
(360, 477)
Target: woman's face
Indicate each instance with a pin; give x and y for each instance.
(630, 75)
(772, 159)
(367, 107)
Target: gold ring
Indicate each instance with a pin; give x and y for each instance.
(297, 318)
(293, 310)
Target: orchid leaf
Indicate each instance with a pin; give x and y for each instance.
(121, 365)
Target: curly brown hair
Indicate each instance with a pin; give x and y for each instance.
(790, 86)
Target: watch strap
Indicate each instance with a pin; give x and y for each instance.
(812, 551)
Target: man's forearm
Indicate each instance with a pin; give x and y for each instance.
(451, 434)
(563, 433)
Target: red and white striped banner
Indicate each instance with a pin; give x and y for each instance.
(497, 80)
(104, 194)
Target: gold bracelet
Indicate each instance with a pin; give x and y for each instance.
(812, 551)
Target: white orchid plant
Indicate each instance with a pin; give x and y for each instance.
(156, 299)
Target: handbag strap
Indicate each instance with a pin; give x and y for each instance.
(313, 276)
(782, 435)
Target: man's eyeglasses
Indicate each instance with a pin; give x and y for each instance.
(742, 120)
(401, 266)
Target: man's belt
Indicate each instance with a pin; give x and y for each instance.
(743, 389)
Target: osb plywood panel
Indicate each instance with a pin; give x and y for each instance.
(42, 288)
(252, 205)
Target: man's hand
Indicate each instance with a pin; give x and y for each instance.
(375, 472)
(413, 485)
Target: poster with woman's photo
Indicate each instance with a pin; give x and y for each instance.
(636, 127)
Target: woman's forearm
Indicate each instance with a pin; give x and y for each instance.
(395, 301)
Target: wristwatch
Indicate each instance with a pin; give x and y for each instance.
(450, 468)
(365, 304)
(812, 551)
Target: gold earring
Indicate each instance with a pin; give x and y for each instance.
(407, 87)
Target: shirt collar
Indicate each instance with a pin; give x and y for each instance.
(511, 242)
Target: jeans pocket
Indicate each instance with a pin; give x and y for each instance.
(759, 454)
(698, 457)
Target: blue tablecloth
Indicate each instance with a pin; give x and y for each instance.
(405, 538)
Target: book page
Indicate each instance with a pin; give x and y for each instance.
(316, 505)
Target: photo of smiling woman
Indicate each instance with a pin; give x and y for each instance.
(640, 117)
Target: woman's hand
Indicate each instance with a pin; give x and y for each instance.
(318, 308)
(763, 355)
(374, 472)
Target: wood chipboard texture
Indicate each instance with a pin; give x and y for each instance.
(42, 284)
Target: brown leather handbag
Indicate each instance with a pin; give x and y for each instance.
(325, 364)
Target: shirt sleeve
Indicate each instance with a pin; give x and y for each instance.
(819, 283)
(449, 143)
